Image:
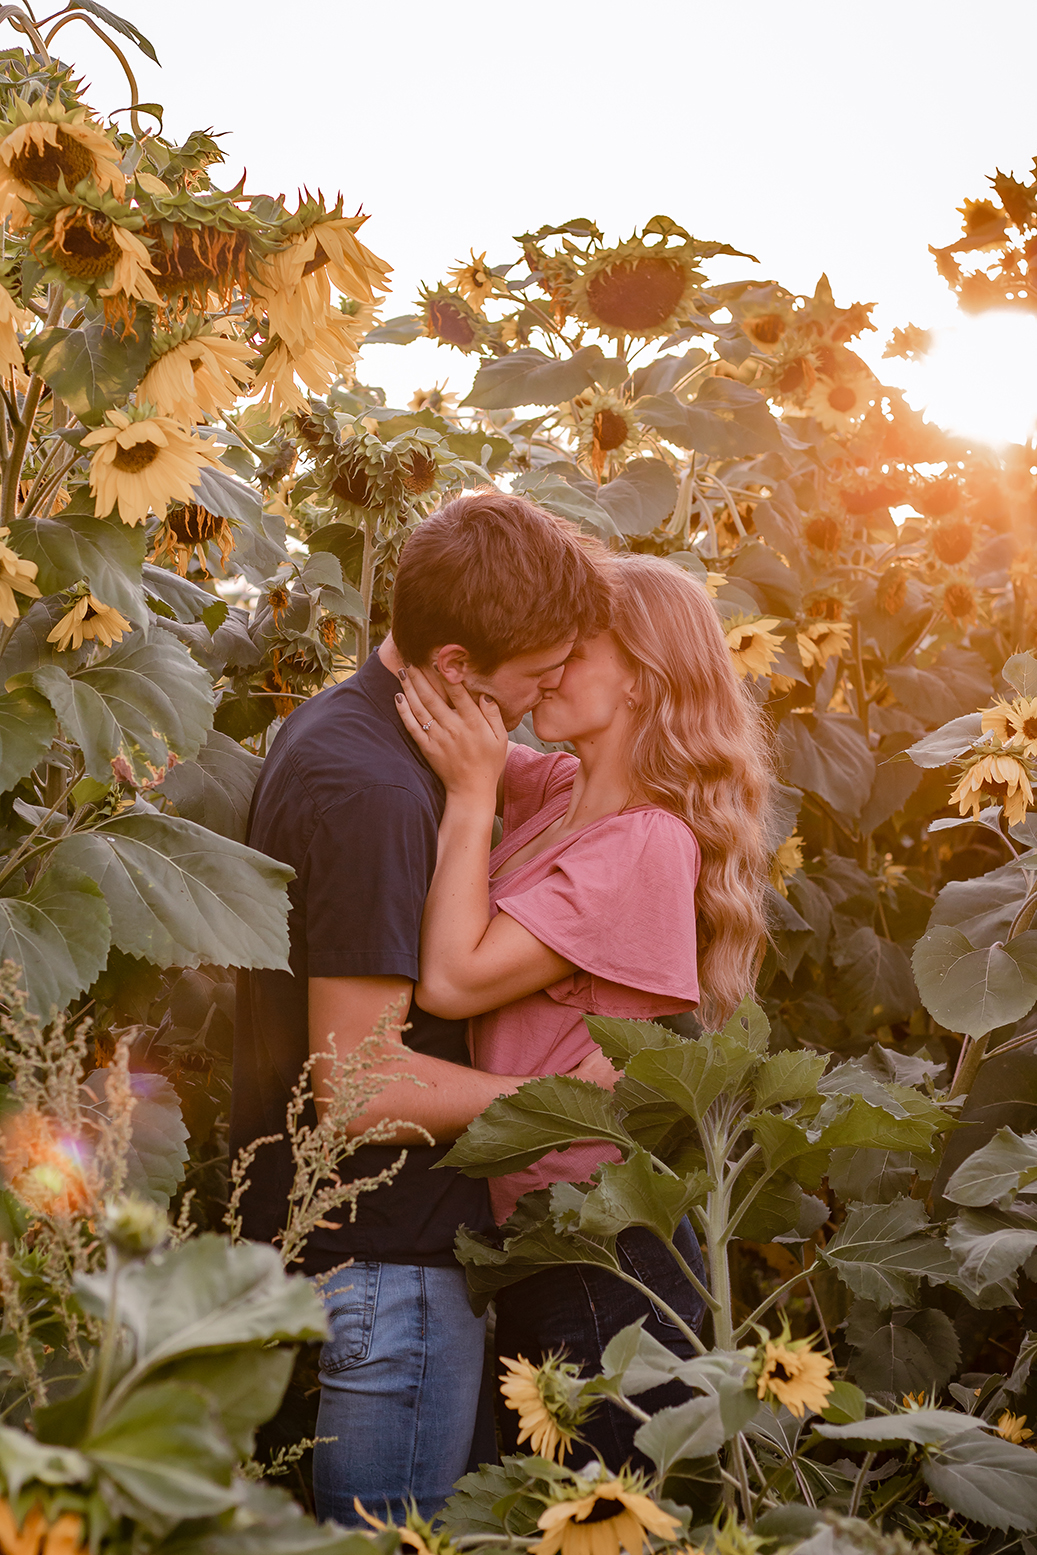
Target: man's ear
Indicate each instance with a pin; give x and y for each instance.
(452, 663)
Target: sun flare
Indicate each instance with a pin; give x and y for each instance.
(978, 378)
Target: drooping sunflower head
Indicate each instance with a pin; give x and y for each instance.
(638, 288)
(959, 603)
(787, 861)
(825, 532)
(939, 498)
(754, 645)
(44, 145)
(891, 592)
(607, 431)
(188, 528)
(1004, 778)
(366, 474)
(1014, 722)
(547, 1401)
(952, 541)
(451, 320)
(602, 1516)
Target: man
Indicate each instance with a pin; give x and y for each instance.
(491, 594)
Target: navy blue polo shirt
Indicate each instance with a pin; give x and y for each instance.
(346, 799)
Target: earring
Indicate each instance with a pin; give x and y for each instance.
(631, 703)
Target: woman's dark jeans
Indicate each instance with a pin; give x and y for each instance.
(578, 1308)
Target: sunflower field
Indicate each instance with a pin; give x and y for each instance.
(201, 509)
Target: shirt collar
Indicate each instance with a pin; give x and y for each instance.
(381, 687)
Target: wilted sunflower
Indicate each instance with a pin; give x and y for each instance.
(12, 319)
(823, 640)
(938, 498)
(606, 429)
(87, 621)
(64, 1536)
(997, 779)
(451, 320)
(473, 280)
(825, 532)
(609, 1516)
(754, 647)
(144, 464)
(1013, 1428)
(637, 288)
(761, 321)
(43, 142)
(294, 283)
(1014, 721)
(16, 575)
(952, 541)
(837, 405)
(788, 860)
(190, 527)
(196, 375)
(87, 244)
(44, 1165)
(328, 356)
(794, 1375)
(546, 1399)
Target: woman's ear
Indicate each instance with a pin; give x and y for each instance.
(452, 663)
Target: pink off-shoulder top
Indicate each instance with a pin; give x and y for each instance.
(617, 899)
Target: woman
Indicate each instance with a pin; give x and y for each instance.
(628, 883)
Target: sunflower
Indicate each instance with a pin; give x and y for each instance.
(637, 288)
(794, 1375)
(793, 374)
(196, 376)
(825, 532)
(952, 541)
(12, 318)
(754, 647)
(16, 576)
(1013, 1428)
(64, 1536)
(838, 404)
(294, 283)
(44, 1166)
(89, 620)
(938, 498)
(42, 143)
(823, 640)
(144, 464)
(328, 356)
(765, 330)
(473, 280)
(786, 861)
(451, 320)
(547, 1401)
(189, 527)
(1011, 721)
(606, 430)
(959, 603)
(1000, 778)
(436, 399)
(611, 1515)
(87, 244)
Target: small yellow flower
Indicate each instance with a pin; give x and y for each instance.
(915, 1401)
(999, 779)
(1013, 1428)
(473, 280)
(795, 1377)
(823, 640)
(198, 377)
(754, 647)
(522, 1391)
(436, 399)
(143, 465)
(787, 860)
(613, 1516)
(16, 575)
(1014, 721)
(89, 620)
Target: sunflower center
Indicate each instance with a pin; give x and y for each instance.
(779, 1372)
(953, 542)
(842, 398)
(318, 261)
(193, 525)
(603, 1509)
(419, 474)
(351, 483)
(87, 248)
(135, 458)
(768, 330)
(639, 294)
(958, 600)
(186, 257)
(46, 164)
(450, 323)
(1029, 728)
(610, 430)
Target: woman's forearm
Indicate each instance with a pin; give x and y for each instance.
(457, 910)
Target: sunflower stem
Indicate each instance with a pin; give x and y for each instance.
(689, 1333)
(738, 1459)
(859, 1484)
(20, 444)
(363, 636)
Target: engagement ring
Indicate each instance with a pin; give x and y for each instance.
(425, 728)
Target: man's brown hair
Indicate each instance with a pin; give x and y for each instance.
(499, 576)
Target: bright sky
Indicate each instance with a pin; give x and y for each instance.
(816, 134)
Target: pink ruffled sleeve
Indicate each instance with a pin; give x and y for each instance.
(619, 903)
(531, 780)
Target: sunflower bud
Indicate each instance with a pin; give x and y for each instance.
(134, 1226)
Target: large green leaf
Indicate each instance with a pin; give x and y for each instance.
(991, 1245)
(727, 420)
(829, 756)
(158, 1139)
(987, 1479)
(531, 1242)
(95, 367)
(76, 545)
(565, 499)
(875, 986)
(924, 1427)
(882, 1250)
(165, 1454)
(621, 1039)
(27, 728)
(983, 908)
(864, 1175)
(788, 1076)
(23, 1459)
(634, 1193)
(59, 933)
(245, 1387)
(691, 1430)
(542, 1115)
(694, 1073)
(641, 497)
(528, 377)
(216, 789)
(142, 701)
(181, 896)
(958, 681)
(902, 1352)
(943, 745)
(1001, 1168)
(974, 991)
(1021, 672)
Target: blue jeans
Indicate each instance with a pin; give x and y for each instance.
(578, 1308)
(400, 1376)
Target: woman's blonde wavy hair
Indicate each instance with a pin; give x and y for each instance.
(702, 751)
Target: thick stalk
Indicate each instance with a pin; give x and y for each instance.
(859, 1484)
(715, 1225)
(23, 430)
(107, 1355)
(738, 1459)
(363, 636)
(973, 1051)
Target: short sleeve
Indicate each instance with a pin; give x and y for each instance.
(366, 876)
(619, 903)
(531, 780)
